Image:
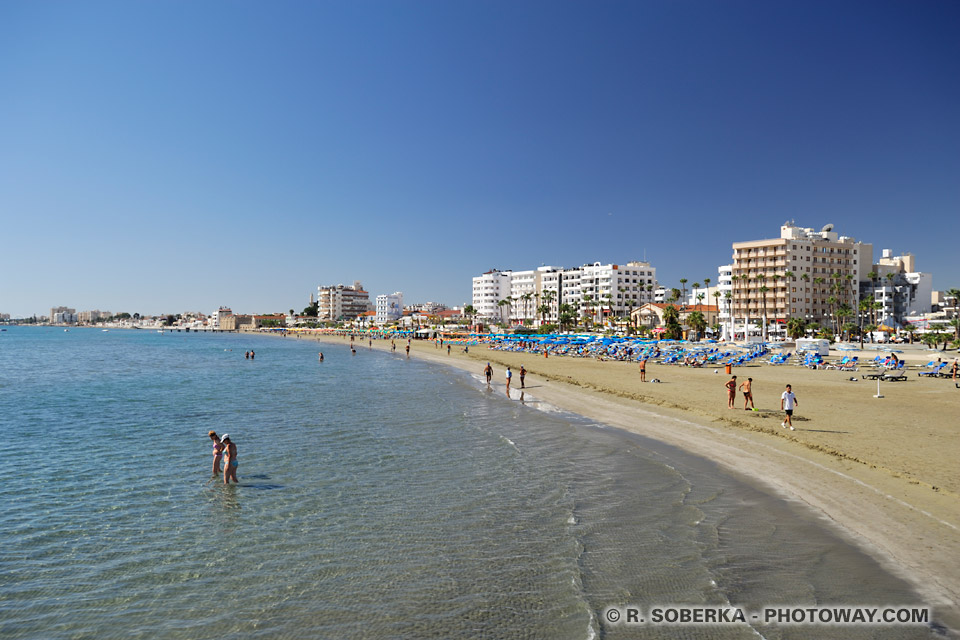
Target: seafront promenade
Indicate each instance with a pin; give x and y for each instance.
(881, 469)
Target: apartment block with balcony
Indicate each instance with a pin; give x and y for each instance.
(389, 307)
(797, 274)
(342, 302)
(488, 290)
(899, 288)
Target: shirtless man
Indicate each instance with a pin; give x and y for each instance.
(731, 392)
(488, 371)
(746, 387)
(643, 370)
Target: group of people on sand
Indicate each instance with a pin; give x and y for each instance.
(224, 447)
(788, 399)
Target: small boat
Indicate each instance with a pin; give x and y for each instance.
(105, 330)
(66, 330)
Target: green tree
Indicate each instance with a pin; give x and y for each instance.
(671, 321)
(955, 294)
(311, 311)
(697, 322)
(796, 327)
(567, 316)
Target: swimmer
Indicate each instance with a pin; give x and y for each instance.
(217, 452)
(230, 464)
(320, 357)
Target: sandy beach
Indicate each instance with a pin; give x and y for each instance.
(882, 470)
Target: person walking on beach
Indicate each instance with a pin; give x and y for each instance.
(217, 452)
(643, 370)
(509, 377)
(731, 392)
(230, 464)
(788, 400)
(488, 371)
(408, 348)
(393, 345)
(746, 387)
(448, 349)
(523, 374)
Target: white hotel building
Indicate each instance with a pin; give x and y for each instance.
(594, 290)
(389, 307)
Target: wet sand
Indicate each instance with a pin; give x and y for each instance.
(884, 470)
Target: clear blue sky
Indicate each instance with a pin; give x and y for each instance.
(171, 156)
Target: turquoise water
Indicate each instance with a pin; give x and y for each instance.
(379, 497)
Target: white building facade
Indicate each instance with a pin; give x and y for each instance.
(597, 292)
(900, 289)
(488, 290)
(389, 307)
(342, 302)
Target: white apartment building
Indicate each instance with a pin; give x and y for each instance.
(341, 302)
(899, 288)
(389, 307)
(488, 290)
(796, 274)
(725, 299)
(596, 291)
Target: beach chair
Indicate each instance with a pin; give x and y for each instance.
(894, 377)
(933, 373)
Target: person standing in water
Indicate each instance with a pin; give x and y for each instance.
(509, 378)
(230, 464)
(217, 452)
(488, 371)
(523, 374)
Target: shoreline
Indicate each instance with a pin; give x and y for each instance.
(904, 519)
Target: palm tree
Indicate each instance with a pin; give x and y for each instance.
(796, 327)
(864, 307)
(910, 329)
(763, 303)
(671, 321)
(954, 294)
(468, 311)
(697, 322)
(588, 306)
(548, 297)
(565, 315)
(843, 312)
(706, 282)
(683, 285)
(526, 304)
(503, 303)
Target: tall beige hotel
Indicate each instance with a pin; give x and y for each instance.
(799, 270)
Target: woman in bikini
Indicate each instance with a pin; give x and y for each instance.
(230, 464)
(217, 452)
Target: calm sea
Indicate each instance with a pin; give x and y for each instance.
(379, 497)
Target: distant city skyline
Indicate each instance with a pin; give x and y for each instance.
(159, 158)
